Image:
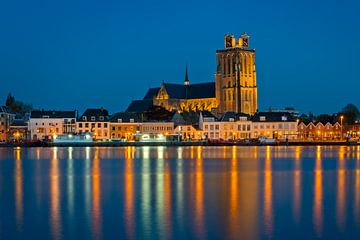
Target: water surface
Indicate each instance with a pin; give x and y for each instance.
(180, 193)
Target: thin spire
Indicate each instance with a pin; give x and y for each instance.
(186, 82)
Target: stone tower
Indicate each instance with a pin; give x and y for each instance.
(235, 77)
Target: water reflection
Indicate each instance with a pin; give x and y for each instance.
(55, 217)
(318, 194)
(340, 199)
(268, 211)
(199, 194)
(129, 193)
(96, 192)
(18, 178)
(181, 193)
(297, 184)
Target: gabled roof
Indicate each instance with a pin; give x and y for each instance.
(6, 109)
(273, 117)
(151, 93)
(97, 113)
(125, 117)
(192, 91)
(52, 114)
(207, 114)
(236, 116)
(140, 105)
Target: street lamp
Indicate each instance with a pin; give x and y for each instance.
(341, 127)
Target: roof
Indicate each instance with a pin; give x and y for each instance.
(140, 105)
(192, 91)
(273, 117)
(95, 112)
(236, 116)
(125, 117)
(207, 114)
(6, 109)
(19, 123)
(52, 114)
(151, 93)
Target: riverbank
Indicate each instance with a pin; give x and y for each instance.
(168, 144)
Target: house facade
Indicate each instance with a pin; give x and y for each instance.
(277, 125)
(47, 123)
(95, 121)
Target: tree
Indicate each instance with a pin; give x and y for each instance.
(350, 113)
(17, 106)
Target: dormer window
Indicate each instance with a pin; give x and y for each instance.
(262, 118)
(84, 118)
(92, 118)
(119, 120)
(131, 120)
(101, 118)
(283, 118)
(45, 116)
(231, 119)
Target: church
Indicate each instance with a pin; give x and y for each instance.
(234, 88)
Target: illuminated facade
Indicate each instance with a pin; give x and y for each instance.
(235, 77)
(95, 121)
(234, 89)
(48, 123)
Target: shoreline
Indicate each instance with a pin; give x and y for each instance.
(171, 144)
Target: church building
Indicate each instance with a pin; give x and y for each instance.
(234, 89)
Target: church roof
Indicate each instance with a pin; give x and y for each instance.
(151, 93)
(140, 105)
(192, 91)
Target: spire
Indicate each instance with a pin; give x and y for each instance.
(186, 81)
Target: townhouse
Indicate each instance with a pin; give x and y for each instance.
(95, 121)
(277, 125)
(44, 124)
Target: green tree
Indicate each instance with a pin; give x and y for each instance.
(350, 113)
(17, 106)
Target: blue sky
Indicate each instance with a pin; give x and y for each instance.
(74, 55)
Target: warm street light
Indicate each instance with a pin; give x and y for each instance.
(341, 129)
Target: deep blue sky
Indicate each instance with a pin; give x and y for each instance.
(78, 54)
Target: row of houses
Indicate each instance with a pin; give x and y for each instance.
(127, 125)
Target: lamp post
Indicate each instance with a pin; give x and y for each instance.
(341, 127)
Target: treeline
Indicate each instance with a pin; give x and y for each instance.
(350, 114)
(17, 106)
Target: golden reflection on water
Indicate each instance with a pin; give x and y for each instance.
(199, 197)
(297, 184)
(145, 191)
(96, 195)
(340, 199)
(55, 217)
(268, 211)
(19, 196)
(318, 194)
(129, 192)
(357, 190)
(234, 193)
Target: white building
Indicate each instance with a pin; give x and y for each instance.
(278, 125)
(48, 123)
(231, 126)
(95, 121)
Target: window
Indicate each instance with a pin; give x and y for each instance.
(131, 120)
(262, 118)
(211, 127)
(84, 118)
(92, 118)
(206, 127)
(119, 120)
(101, 118)
(105, 125)
(80, 125)
(92, 125)
(86, 125)
(99, 125)
(283, 118)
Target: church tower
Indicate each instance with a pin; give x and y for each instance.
(235, 77)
